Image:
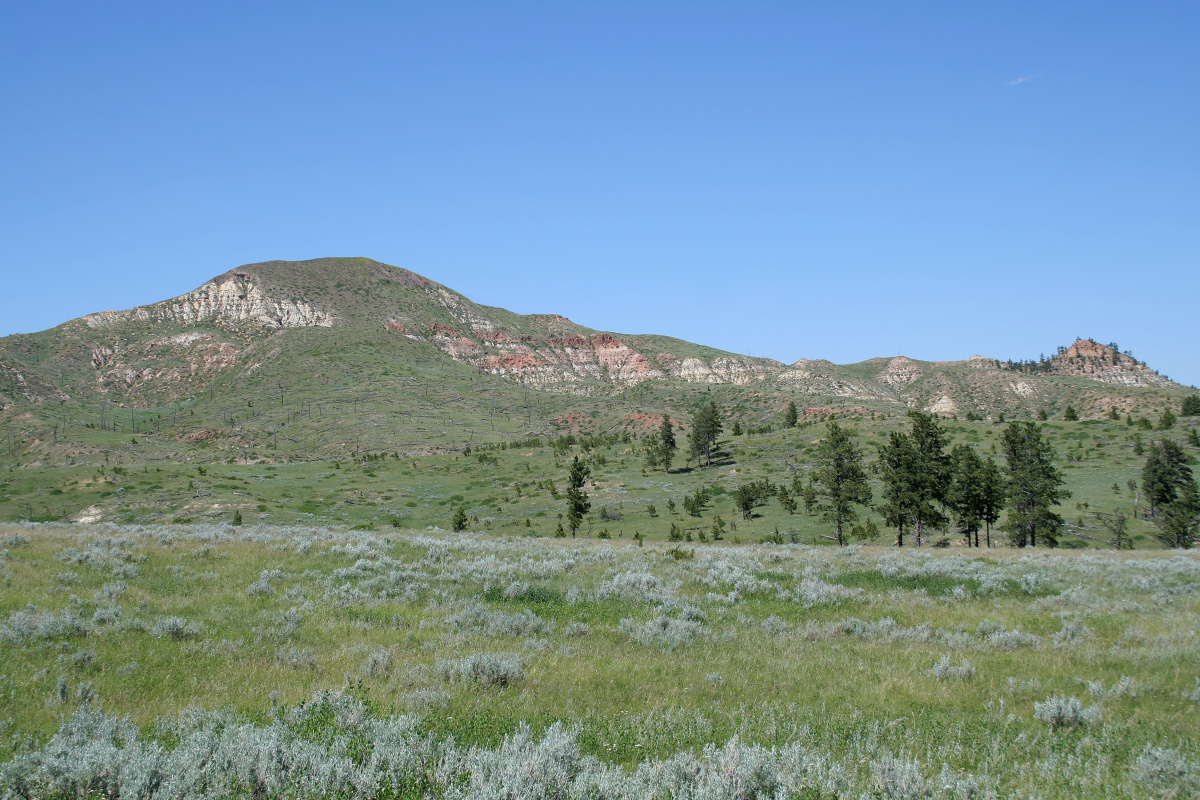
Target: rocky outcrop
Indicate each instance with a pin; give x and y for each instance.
(944, 405)
(235, 298)
(900, 371)
(568, 358)
(826, 378)
(1097, 362)
(172, 363)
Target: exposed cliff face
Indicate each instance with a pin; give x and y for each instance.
(235, 298)
(1097, 362)
(554, 359)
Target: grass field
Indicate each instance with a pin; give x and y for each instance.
(517, 490)
(397, 662)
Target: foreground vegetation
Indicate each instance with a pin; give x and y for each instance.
(267, 661)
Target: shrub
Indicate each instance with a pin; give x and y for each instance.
(945, 671)
(1065, 712)
(486, 668)
(379, 662)
(295, 658)
(899, 780)
(662, 631)
(174, 628)
(262, 586)
(629, 585)
(30, 624)
(577, 629)
(1165, 772)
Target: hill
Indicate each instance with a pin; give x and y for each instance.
(329, 357)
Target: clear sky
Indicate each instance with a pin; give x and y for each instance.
(832, 180)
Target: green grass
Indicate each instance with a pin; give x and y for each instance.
(764, 667)
(506, 487)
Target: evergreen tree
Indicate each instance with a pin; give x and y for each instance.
(706, 427)
(1034, 486)
(965, 496)
(931, 441)
(1117, 525)
(1114, 415)
(786, 501)
(916, 476)
(653, 448)
(1165, 473)
(1180, 521)
(809, 495)
(666, 443)
(841, 477)
(1071, 415)
(751, 495)
(1167, 420)
(577, 497)
(1190, 406)
(993, 494)
(459, 522)
(789, 415)
(736, 430)
(897, 469)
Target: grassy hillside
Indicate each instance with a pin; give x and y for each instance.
(517, 489)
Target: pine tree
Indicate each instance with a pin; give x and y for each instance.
(809, 495)
(994, 493)
(1117, 525)
(1167, 420)
(916, 475)
(786, 501)
(931, 441)
(1180, 521)
(1071, 415)
(706, 427)
(965, 496)
(1033, 486)
(459, 522)
(666, 443)
(1190, 406)
(841, 477)
(1165, 473)
(577, 497)
(897, 469)
(789, 415)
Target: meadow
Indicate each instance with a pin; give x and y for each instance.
(212, 660)
(515, 485)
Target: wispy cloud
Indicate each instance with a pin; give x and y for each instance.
(1022, 79)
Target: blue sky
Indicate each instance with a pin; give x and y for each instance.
(832, 180)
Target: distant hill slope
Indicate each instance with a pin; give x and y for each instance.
(315, 328)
